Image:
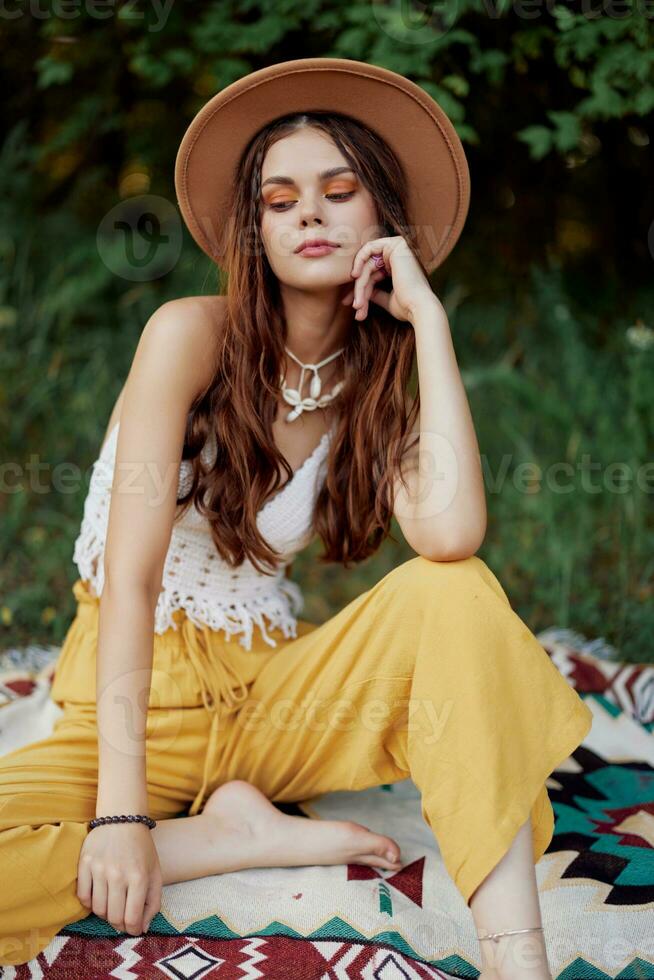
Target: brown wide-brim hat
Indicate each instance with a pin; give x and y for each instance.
(412, 123)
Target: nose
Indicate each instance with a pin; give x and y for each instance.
(310, 211)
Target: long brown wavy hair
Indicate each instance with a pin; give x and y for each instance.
(354, 507)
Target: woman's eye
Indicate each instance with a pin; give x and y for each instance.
(283, 205)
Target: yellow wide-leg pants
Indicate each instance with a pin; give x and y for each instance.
(430, 674)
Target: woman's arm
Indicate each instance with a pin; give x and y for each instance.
(443, 515)
(442, 510)
(170, 367)
(115, 415)
(119, 874)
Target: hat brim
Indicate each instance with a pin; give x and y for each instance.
(413, 124)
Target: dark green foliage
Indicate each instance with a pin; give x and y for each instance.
(552, 271)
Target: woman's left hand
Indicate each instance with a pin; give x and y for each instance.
(410, 287)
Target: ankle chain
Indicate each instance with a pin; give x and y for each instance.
(509, 932)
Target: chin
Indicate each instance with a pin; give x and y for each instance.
(316, 280)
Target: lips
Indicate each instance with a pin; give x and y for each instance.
(316, 243)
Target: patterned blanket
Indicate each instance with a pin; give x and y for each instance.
(596, 880)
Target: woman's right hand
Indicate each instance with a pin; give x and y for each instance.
(119, 876)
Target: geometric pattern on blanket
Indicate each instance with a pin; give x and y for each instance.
(275, 957)
(593, 667)
(596, 880)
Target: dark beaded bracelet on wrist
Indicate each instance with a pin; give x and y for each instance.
(130, 818)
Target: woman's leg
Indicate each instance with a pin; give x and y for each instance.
(509, 894)
(429, 674)
(48, 793)
(240, 828)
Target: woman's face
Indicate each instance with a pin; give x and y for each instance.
(299, 202)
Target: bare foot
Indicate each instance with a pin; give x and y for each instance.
(250, 832)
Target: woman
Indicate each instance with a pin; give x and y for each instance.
(310, 182)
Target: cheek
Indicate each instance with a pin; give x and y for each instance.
(362, 219)
(267, 227)
(278, 236)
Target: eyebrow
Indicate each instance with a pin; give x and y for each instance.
(325, 175)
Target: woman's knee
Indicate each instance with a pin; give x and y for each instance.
(428, 581)
(435, 574)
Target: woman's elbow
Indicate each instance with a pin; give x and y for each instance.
(454, 547)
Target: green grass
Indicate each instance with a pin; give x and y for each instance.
(552, 376)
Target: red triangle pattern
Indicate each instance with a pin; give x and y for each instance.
(407, 880)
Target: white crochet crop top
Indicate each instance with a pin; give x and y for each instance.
(195, 577)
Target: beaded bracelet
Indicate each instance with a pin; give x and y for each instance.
(131, 818)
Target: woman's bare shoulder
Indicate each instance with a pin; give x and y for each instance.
(184, 331)
(197, 322)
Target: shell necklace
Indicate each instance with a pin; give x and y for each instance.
(293, 396)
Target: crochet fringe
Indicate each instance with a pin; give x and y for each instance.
(280, 607)
(222, 599)
(237, 618)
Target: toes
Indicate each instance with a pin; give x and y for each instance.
(378, 861)
(392, 851)
(370, 841)
(384, 847)
(378, 852)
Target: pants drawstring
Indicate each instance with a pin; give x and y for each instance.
(223, 690)
(82, 594)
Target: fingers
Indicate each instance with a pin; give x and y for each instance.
(368, 272)
(152, 903)
(116, 896)
(363, 290)
(135, 915)
(128, 905)
(120, 881)
(380, 245)
(99, 895)
(84, 883)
